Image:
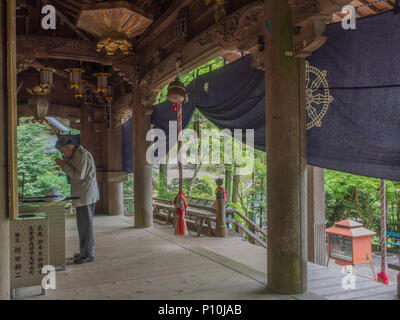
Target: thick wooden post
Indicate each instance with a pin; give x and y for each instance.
(87, 128)
(228, 182)
(220, 212)
(114, 177)
(316, 236)
(4, 222)
(143, 170)
(12, 107)
(286, 155)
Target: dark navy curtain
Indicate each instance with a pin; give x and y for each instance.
(361, 131)
(354, 127)
(233, 98)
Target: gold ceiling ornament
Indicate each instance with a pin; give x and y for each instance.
(113, 23)
(113, 41)
(75, 77)
(102, 82)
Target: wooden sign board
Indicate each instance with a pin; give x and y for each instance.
(28, 251)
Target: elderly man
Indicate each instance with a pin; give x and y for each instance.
(81, 169)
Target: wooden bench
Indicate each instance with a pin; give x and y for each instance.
(165, 205)
(201, 213)
(396, 266)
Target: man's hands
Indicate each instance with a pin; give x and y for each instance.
(61, 163)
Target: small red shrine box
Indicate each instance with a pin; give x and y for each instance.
(349, 243)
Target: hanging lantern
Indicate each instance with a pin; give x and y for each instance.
(102, 82)
(80, 90)
(75, 77)
(46, 77)
(176, 92)
(114, 23)
(46, 83)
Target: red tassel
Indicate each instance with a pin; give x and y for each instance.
(221, 190)
(180, 213)
(383, 277)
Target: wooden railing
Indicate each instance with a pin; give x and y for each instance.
(256, 234)
(127, 205)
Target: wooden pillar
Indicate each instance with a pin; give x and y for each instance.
(252, 217)
(220, 212)
(228, 182)
(4, 222)
(143, 174)
(316, 236)
(87, 127)
(114, 177)
(286, 155)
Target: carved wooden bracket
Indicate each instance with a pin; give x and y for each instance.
(310, 18)
(229, 31)
(237, 31)
(126, 69)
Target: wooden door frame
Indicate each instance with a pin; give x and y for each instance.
(12, 116)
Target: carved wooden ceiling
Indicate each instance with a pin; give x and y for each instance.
(68, 46)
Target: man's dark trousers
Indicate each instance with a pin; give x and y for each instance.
(84, 221)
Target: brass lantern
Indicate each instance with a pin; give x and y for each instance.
(102, 82)
(75, 77)
(46, 83)
(46, 77)
(80, 90)
(176, 91)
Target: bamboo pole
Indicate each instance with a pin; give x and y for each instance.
(12, 108)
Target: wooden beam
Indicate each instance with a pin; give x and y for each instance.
(12, 108)
(65, 4)
(161, 24)
(369, 9)
(68, 23)
(42, 47)
(245, 26)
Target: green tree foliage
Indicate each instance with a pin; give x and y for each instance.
(36, 159)
(356, 197)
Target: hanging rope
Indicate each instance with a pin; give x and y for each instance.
(177, 94)
(382, 276)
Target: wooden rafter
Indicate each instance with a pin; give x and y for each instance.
(67, 21)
